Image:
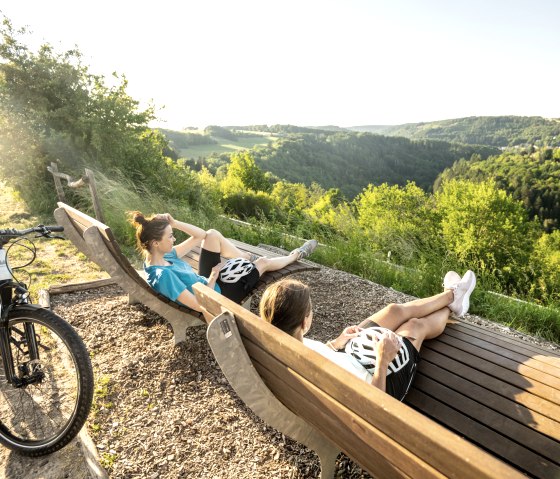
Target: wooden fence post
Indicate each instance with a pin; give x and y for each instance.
(57, 182)
(88, 178)
(93, 190)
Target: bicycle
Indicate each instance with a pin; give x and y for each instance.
(46, 378)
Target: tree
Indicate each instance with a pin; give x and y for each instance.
(546, 263)
(53, 109)
(242, 167)
(486, 229)
(290, 197)
(399, 219)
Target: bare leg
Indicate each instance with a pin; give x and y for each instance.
(393, 316)
(274, 264)
(428, 327)
(216, 242)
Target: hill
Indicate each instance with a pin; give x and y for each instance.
(350, 161)
(498, 131)
(334, 159)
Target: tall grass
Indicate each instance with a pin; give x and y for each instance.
(119, 196)
(523, 316)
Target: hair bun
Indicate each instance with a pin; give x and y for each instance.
(138, 218)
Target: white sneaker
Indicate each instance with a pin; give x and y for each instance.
(306, 249)
(450, 279)
(461, 294)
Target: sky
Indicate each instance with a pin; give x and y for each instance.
(313, 62)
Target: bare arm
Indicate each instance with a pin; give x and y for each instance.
(196, 235)
(189, 299)
(386, 349)
(214, 274)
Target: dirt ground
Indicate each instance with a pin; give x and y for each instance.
(68, 463)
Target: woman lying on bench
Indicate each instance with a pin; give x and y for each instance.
(172, 277)
(383, 349)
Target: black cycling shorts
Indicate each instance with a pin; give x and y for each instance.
(398, 384)
(235, 291)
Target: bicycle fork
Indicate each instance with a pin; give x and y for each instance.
(27, 373)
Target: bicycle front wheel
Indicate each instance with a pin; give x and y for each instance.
(49, 400)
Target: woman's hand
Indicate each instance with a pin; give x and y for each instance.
(386, 348)
(167, 217)
(214, 274)
(346, 335)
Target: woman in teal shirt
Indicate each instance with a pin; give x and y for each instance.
(168, 274)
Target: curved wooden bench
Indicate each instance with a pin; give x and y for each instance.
(97, 242)
(482, 406)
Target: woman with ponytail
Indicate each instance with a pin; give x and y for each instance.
(172, 277)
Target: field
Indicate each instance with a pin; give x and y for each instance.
(224, 146)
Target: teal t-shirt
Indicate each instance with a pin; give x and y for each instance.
(172, 280)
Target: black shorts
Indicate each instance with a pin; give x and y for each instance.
(399, 383)
(235, 291)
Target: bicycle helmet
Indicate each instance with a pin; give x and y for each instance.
(234, 269)
(362, 348)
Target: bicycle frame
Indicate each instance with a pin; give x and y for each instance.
(7, 303)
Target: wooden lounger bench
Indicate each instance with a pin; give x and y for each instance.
(483, 405)
(98, 243)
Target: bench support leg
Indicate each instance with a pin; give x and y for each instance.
(136, 294)
(180, 326)
(228, 349)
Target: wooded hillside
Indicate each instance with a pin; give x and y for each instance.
(352, 161)
(499, 131)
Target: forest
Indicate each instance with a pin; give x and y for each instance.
(397, 211)
(497, 131)
(348, 161)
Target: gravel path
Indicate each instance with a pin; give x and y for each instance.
(170, 413)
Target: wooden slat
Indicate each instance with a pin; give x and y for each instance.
(79, 217)
(363, 440)
(480, 412)
(503, 447)
(509, 406)
(513, 377)
(503, 339)
(414, 431)
(515, 355)
(497, 358)
(254, 249)
(495, 383)
(72, 287)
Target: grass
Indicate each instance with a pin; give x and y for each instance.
(101, 401)
(57, 261)
(520, 315)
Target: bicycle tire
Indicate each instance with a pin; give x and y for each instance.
(43, 417)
